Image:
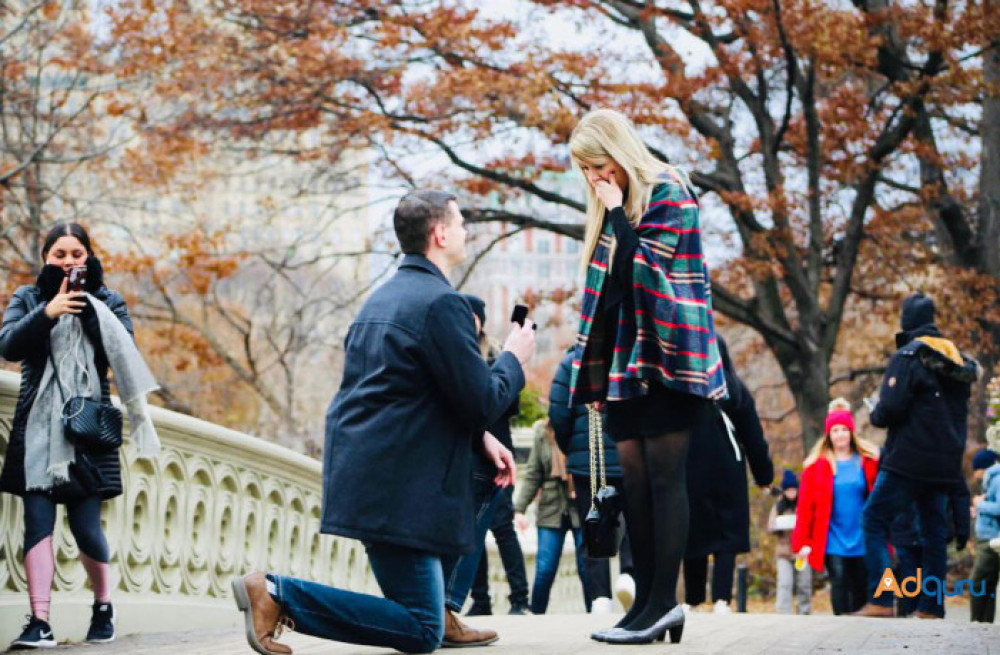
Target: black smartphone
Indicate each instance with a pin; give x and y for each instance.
(77, 278)
(519, 314)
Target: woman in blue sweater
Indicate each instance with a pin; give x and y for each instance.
(986, 569)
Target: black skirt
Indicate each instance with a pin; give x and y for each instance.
(660, 411)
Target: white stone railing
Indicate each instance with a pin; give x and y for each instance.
(215, 504)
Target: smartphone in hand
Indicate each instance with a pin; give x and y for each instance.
(77, 279)
(519, 315)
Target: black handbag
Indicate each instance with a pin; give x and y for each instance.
(89, 424)
(600, 527)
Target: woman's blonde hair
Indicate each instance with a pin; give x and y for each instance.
(603, 134)
(489, 347)
(824, 447)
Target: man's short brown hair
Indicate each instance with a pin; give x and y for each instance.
(416, 215)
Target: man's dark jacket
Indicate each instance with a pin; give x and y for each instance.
(415, 398)
(924, 403)
(571, 427)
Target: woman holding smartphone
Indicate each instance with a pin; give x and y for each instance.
(646, 347)
(66, 340)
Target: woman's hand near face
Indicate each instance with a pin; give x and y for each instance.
(609, 192)
(65, 302)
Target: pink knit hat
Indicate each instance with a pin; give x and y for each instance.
(840, 417)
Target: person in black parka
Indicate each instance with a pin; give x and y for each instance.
(717, 489)
(29, 319)
(924, 403)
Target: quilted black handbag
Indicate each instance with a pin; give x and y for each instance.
(89, 424)
(600, 527)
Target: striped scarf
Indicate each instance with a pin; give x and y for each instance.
(669, 337)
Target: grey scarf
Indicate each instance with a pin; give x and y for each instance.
(48, 454)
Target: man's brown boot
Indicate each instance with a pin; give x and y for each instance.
(873, 610)
(262, 615)
(459, 635)
(926, 615)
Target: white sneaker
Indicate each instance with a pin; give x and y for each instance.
(721, 607)
(687, 609)
(625, 590)
(602, 605)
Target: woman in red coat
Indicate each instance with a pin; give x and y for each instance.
(838, 475)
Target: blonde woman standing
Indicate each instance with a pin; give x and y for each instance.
(837, 477)
(646, 348)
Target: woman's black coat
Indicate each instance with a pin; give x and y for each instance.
(24, 338)
(717, 480)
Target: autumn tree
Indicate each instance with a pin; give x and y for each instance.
(803, 123)
(249, 308)
(57, 108)
(239, 315)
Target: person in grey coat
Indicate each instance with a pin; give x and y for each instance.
(415, 400)
(792, 581)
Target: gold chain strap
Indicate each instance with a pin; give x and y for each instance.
(596, 453)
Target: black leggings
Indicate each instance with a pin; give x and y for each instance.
(84, 522)
(696, 576)
(848, 583)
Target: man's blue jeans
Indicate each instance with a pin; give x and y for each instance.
(410, 618)
(891, 494)
(460, 572)
(909, 559)
(550, 545)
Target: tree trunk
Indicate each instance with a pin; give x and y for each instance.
(807, 371)
(989, 174)
(988, 228)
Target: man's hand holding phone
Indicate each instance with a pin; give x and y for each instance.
(521, 340)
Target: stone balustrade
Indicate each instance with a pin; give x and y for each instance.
(215, 504)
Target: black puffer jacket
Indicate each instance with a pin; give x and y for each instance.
(571, 426)
(24, 338)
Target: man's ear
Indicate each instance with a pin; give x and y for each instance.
(438, 236)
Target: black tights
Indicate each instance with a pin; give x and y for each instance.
(656, 516)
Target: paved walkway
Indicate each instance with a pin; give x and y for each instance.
(736, 634)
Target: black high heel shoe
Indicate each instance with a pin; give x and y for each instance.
(672, 622)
